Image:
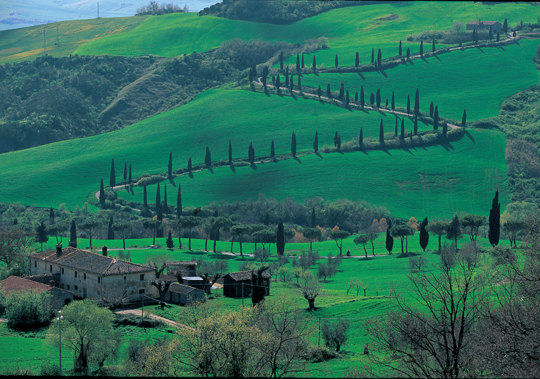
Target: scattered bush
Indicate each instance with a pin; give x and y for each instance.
(320, 354)
(28, 309)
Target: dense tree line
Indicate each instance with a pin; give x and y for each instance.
(155, 9)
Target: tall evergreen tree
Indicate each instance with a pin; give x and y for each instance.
(444, 129)
(361, 138)
(356, 97)
(110, 231)
(158, 201)
(424, 235)
(250, 78)
(314, 65)
(169, 166)
(372, 98)
(381, 133)
(251, 154)
(319, 92)
(302, 60)
(125, 171)
(112, 180)
(179, 202)
(297, 62)
(357, 60)
(431, 110)
(498, 36)
(145, 198)
(464, 118)
(408, 104)
(341, 91)
(165, 207)
(287, 77)
(189, 165)
(505, 26)
(436, 118)
(102, 194)
(281, 60)
(433, 46)
(299, 83)
(336, 61)
(73, 234)
(408, 53)
(379, 59)
(278, 83)
(421, 48)
(51, 216)
(338, 142)
(328, 92)
(347, 99)
(402, 135)
(293, 145)
(280, 240)
(389, 239)
(230, 152)
(415, 130)
(372, 55)
(362, 99)
(316, 143)
(495, 221)
(130, 179)
(208, 158)
(393, 103)
(41, 234)
(378, 98)
(313, 221)
(396, 128)
(455, 231)
(417, 102)
(272, 151)
(400, 48)
(335, 138)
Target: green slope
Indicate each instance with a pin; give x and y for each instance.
(349, 29)
(66, 172)
(470, 79)
(27, 43)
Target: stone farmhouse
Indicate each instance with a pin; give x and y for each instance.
(495, 26)
(94, 276)
(59, 297)
(235, 282)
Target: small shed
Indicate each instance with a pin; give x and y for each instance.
(184, 295)
(193, 281)
(234, 282)
(184, 268)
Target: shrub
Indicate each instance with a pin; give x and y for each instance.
(49, 369)
(27, 309)
(320, 354)
(335, 335)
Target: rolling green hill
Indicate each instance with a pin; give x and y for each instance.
(470, 79)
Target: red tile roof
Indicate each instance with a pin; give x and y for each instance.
(15, 283)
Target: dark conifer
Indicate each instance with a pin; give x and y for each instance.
(408, 104)
(357, 60)
(396, 128)
(444, 129)
(179, 202)
(431, 110)
(341, 91)
(73, 234)
(280, 239)
(356, 97)
(336, 61)
(362, 100)
(112, 179)
(314, 66)
(297, 62)
(272, 151)
(208, 158)
(339, 142)
(433, 46)
(361, 138)
(281, 60)
(125, 171)
(189, 165)
(313, 221)
(389, 238)
(328, 92)
(436, 118)
(421, 48)
(495, 221)
(278, 83)
(393, 102)
(130, 179)
(379, 59)
(316, 143)
(417, 102)
(372, 98)
(335, 138)
(158, 201)
(347, 99)
(464, 118)
(250, 78)
(424, 235)
(230, 152)
(408, 53)
(381, 133)
(110, 231)
(287, 77)
(102, 194)
(299, 83)
(402, 128)
(319, 92)
(302, 60)
(505, 26)
(251, 153)
(51, 216)
(169, 166)
(415, 125)
(400, 48)
(378, 98)
(293, 145)
(372, 55)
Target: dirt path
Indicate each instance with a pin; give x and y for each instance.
(138, 312)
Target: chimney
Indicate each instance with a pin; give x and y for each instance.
(51, 283)
(104, 251)
(58, 248)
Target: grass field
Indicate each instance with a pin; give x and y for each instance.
(27, 43)
(349, 29)
(469, 79)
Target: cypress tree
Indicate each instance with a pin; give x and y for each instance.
(291, 84)
(403, 128)
(372, 55)
(393, 103)
(339, 142)
(424, 235)
(179, 202)
(272, 151)
(498, 36)
(433, 46)
(431, 110)
(341, 91)
(281, 60)
(361, 138)
(408, 104)
(41, 234)
(314, 66)
(386, 103)
(251, 153)
(436, 118)
(102, 194)
(505, 26)
(408, 53)
(169, 167)
(280, 240)
(400, 48)
(73, 234)
(316, 143)
(125, 171)
(495, 221)
(208, 158)
(381, 133)
(130, 180)
(415, 125)
(278, 83)
(189, 165)
(297, 62)
(313, 221)
(299, 83)
(319, 92)
(378, 98)
(112, 180)
(417, 102)
(421, 48)
(362, 100)
(347, 99)
(464, 118)
(372, 98)
(293, 145)
(165, 207)
(110, 231)
(356, 97)
(302, 60)
(336, 61)
(158, 201)
(379, 59)
(444, 129)
(286, 76)
(145, 198)
(51, 216)
(230, 152)
(328, 92)
(357, 60)
(250, 78)
(389, 238)
(396, 127)
(335, 139)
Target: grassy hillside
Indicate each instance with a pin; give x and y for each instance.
(470, 79)
(349, 29)
(27, 43)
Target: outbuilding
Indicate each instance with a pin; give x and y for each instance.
(184, 295)
(235, 282)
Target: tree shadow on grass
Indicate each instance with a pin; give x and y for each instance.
(470, 136)
(500, 47)
(362, 76)
(211, 170)
(231, 166)
(366, 259)
(407, 255)
(424, 59)
(437, 56)
(171, 180)
(381, 112)
(385, 150)
(383, 73)
(190, 174)
(478, 47)
(298, 160)
(195, 252)
(319, 155)
(447, 146)
(253, 166)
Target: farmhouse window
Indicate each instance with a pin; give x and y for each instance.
(124, 278)
(99, 279)
(76, 288)
(35, 263)
(50, 268)
(75, 273)
(62, 285)
(141, 290)
(142, 276)
(62, 270)
(68, 286)
(84, 276)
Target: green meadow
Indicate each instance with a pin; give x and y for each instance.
(470, 79)
(27, 43)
